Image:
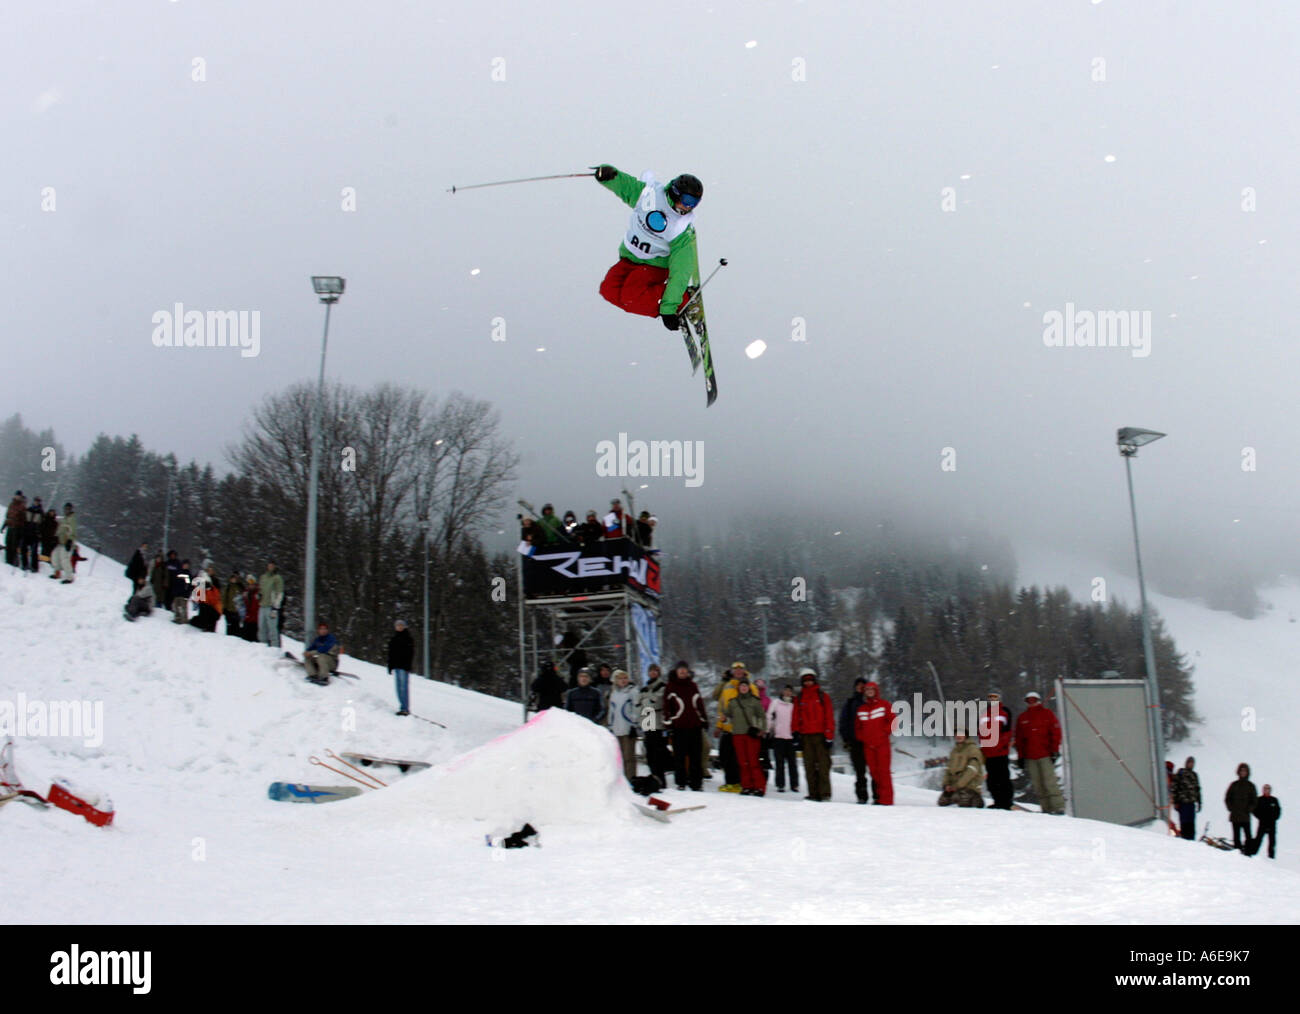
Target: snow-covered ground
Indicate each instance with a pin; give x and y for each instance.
(196, 725)
(1246, 690)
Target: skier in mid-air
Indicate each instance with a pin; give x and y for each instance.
(657, 259)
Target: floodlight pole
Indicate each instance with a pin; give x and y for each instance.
(1129, 451)
(313, 482)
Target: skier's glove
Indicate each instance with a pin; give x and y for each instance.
(605, 173)
(670, 321)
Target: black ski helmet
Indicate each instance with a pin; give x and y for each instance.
(685, 185)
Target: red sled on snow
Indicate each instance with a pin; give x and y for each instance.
(65, 797)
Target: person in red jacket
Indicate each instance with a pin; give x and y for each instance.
(1038, 744)
(814, 723)
(995, 744)
(873, 727)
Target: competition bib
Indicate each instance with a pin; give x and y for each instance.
(655, 223)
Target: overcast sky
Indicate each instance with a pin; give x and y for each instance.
(1101, 154)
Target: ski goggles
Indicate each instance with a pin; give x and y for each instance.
(689, 200)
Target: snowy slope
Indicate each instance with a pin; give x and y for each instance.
(1247, 693)
(196, 725)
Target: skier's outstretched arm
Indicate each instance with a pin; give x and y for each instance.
(626, 186)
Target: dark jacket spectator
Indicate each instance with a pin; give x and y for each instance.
(1240, 800)
(549, 687)
(586, 700)
(138, 566)
(15, 521)
(49, 529)
(1267, 810)
(401, 650)
(30, 553)
(684, 714)
(591, 531)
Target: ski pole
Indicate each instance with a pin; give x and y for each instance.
(529, 179)
(722, 263)
(429, 720)
(333, 756)
(320, 763)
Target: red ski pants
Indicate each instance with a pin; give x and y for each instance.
(636, 288)
(751, 774)
(878, 765)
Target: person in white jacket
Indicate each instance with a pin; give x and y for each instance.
(621, 717)
(779, 714)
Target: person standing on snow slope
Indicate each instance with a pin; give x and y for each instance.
(657, 259)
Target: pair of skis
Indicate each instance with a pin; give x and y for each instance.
(694, 329)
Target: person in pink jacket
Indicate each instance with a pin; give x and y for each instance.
(780, 737)
(765, 745)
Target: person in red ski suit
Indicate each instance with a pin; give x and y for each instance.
(873, 727)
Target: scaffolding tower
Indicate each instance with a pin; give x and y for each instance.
(601, 620)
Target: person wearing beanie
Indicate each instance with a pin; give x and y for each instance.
(780, 714)
(726, 693)
(654, 729)
(964, 775)
(995, 744)
(848, 726)
(401, 652)
(15, 522)
(1268, 810)
(814, 723)
(1240, 800)
(1038, 744)
(748, 723)
(1186, 796)
(873, 728)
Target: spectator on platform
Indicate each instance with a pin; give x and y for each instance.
(570, 525)
(591, 531)
(615, 521)
(551, 527)
(645, 529)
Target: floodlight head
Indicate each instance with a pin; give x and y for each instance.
(328, 287)
(1130, 438)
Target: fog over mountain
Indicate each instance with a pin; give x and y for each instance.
(905, 194)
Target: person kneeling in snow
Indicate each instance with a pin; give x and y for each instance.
(141, 602)
(322, 656)
(964, 776)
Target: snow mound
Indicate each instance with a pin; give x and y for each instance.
(558, 769)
